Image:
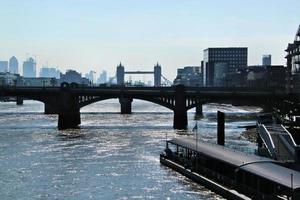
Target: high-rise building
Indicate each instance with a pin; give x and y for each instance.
(13, 65)
(267, 60)
(49, 72)
(103, 77)
(217, 62)
(29, 68)
(91, 76)
(3, 66)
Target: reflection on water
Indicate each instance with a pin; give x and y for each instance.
(111, 156)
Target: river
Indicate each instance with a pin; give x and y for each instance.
(111, 156)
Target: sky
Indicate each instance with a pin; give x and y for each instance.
(99, 34)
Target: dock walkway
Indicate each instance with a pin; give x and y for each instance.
(278, 141)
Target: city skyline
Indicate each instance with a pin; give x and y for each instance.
(98, 35)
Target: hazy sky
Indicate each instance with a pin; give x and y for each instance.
(98, 34)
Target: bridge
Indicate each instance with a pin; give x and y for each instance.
(120, 74)
(67, 100)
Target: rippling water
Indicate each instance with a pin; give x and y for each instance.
(111, 156)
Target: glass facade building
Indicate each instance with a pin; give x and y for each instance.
(217, 62)
(13, 65)
(3, 66)
(29, 68)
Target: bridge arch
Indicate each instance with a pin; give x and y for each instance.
(167, 103)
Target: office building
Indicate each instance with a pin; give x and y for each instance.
(71, 76)
(218, 62)
(10, 79)
(266, 60)
(29, 68)
(39, 82)
(91, 76)
(266, 76)
(102, 77)
(13, 65)
(3, 66)
(189, 76)
(49, 72)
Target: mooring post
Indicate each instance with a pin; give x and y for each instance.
(180, 111)
(69, 111)
(221, 128)
(125, 105)
(19, 101)
(199, 111)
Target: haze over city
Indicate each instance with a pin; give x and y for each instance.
(97, 35)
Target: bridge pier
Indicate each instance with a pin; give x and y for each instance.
(68, 111)
(180, 111)
(125, 105)
(69, 120)
(19, 101)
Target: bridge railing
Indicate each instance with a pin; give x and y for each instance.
(267, 139)
(291, 139)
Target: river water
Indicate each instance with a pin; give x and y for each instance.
(111, 156)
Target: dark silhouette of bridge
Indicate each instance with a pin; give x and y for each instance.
(67, 100)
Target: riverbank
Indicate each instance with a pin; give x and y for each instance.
(249, 134)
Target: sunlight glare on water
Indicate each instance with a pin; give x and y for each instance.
(111, 156)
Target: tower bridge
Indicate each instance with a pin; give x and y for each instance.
(156, 73)
(67, 100)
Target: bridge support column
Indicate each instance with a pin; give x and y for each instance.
(180, 112)
(50, 109)
(69, 120)
(199, 111)
(125, 105)
(69, 111)
(19, 101)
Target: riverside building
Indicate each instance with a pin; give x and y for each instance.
(217, 62)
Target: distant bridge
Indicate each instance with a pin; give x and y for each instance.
(157, 75)
(66, 101)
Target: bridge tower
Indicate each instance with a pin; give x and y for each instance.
(157, 75)
(120, 74)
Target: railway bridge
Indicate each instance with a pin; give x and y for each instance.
(67, 100)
